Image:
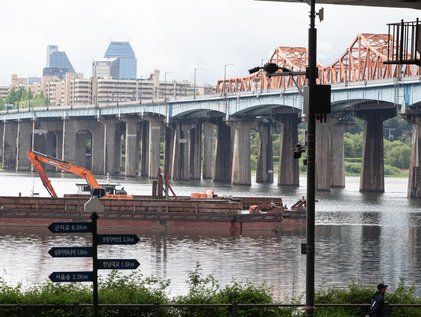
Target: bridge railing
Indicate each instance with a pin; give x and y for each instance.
(197, 310)
(404, 46)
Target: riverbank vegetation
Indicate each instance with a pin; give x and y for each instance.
(136, 289)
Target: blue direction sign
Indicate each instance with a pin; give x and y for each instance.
(70, 252)
(71, 277)
(118, 264)
(70, 227)
(118, 239)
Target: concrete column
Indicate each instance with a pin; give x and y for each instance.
(223, 156)
(177, 155)
(168, 149)
(372, 167)
(288, 171)
(185, 151)
(414, 180)
(264, 172)
(23, 145)
(59, 144)
(132, 149)
(154, 148)
(118, 148)
(323, 157)
(195, 152)
(50, 147)
(241, 170)
(208, 150)
(337, 155)
(98, 149)
(110, 129)
(9, 145)
(144, 157)
(68, 151)
(80, 149)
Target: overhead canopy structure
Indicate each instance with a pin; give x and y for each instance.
(410, 4)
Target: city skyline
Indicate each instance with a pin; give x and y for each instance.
(181, 42)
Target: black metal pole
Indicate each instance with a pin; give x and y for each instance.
(311, 160)
(94, 217)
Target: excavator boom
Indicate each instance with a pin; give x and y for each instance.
(37, 158)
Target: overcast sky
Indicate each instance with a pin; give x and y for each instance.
(175, 35)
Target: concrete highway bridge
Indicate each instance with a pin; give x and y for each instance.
(209, 137)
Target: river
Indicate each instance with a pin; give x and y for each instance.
(360, 237)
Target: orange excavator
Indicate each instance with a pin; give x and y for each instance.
(37, 158)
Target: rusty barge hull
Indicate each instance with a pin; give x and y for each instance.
(145, 213)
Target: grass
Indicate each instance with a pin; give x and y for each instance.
(135, 289)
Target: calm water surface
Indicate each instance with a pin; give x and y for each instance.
(360, 237)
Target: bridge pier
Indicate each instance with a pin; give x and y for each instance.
(323, 157)
(372, 166)
(264, 171)
(110, 131)
(23, 145)
(97, 147)
(288, 171)
(9, 145)
(154, 154)
(337, 155)
(120, 132)
(69, 140)
(177, 153)
(188, 149)
(208, 149)
(223, 158)
(414, 179)
(132, 148)
(82, 138)
(241, 172)
(144, 151)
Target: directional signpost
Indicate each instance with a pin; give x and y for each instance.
(117, 239)
(118, 264)
(97, 239)
(71, 277)
(71, 252)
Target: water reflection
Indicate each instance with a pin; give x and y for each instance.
(363, 237)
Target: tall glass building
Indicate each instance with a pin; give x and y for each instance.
(127, 59)
(59, 59)
(58, 63)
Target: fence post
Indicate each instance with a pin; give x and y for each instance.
(386, 308)
(76, 310)
(156, 310)
(234, 310)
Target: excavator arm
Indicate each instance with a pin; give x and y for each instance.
(37, 158)
(41, 172)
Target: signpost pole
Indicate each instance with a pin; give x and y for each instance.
(94, 217)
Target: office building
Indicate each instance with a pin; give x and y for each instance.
(58, 64)
(127, 59)
(106, 67)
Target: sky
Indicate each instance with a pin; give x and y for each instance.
(176, 36)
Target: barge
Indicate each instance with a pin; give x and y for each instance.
(236, 214)
(201, 211)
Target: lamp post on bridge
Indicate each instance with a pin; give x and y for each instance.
(194, 83)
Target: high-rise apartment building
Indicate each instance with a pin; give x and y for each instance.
(127, 59)
(58, 64)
